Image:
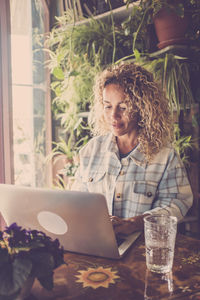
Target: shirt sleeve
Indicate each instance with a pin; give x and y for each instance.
(78, 184)
(174, 195)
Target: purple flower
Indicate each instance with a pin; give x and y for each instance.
(29, 252)
(21, 241)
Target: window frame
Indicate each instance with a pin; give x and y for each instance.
(6, 154)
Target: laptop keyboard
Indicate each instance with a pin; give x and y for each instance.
(120, 239)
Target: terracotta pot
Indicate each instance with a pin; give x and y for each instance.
(170, 28)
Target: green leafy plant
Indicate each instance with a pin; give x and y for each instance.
(130, 25)
(65, 149)
(173, 72)
(182, 144)
(62, 148)
(25, 253)
(77, 53)
(73, 71)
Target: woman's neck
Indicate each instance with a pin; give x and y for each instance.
(126, 144)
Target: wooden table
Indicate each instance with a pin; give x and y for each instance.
(92, 278)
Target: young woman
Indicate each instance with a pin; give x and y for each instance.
(131, 160)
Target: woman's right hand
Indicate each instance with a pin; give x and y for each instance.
(128, 226)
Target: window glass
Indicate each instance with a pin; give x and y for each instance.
(30, 96)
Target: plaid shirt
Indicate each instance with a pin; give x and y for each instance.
(131, 186)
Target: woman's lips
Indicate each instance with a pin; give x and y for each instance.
(117, 126)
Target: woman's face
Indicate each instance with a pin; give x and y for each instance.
(116, 111)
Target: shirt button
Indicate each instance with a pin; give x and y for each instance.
(149, 194)
(118, 195)
(90, 179)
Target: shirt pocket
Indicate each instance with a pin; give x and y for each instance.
(95, 181)
(144, 193)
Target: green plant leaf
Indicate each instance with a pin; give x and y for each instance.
(58, 73)
(13, 275)
(73, 73)
(137, 54)
(46, 281)
(3, 256)
(194, 121)
(43, 263)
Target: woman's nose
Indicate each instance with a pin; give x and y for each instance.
(115, 114)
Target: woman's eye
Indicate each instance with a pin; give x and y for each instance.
(107, 107)
(122, 108)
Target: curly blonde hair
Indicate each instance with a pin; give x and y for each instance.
(145, 97)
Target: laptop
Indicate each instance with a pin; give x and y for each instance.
(79, 220)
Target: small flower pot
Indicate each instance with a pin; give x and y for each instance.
(170, 28)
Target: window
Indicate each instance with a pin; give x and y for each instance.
(30, 93)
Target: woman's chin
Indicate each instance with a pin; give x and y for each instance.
(118, 132)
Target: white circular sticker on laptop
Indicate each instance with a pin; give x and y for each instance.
(52, 222)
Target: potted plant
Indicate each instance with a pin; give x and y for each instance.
(174, 20)
(24, 256)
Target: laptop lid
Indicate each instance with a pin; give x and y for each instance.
(80, 220)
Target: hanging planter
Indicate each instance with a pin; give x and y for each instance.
(170, 28)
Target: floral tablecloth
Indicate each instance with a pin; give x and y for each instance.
(94, 278)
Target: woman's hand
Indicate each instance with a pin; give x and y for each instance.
(127, 226)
